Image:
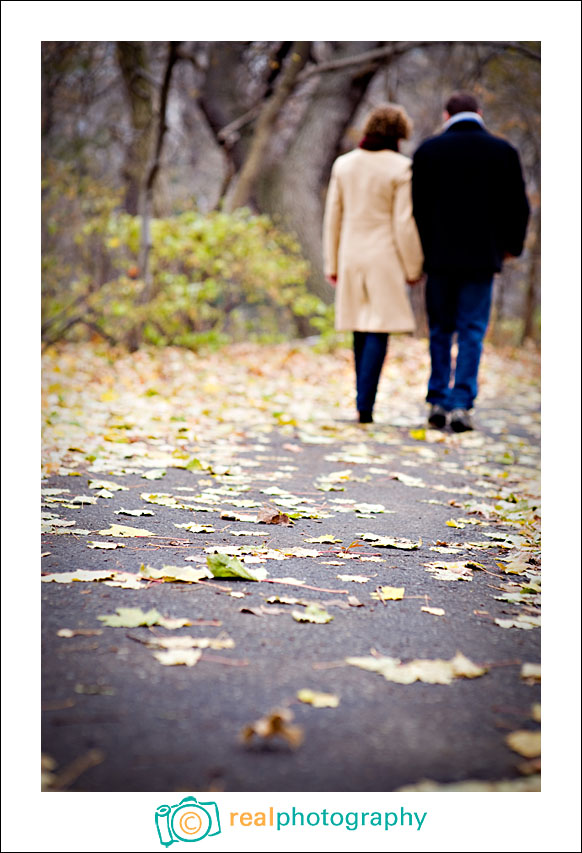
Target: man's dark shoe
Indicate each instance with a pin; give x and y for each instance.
(366, 417)
(460, 420)
(437, 416)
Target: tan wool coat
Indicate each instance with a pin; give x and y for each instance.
(370, 241)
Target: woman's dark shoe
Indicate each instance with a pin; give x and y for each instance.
(365, 417)
(437, 417)
(461, 420)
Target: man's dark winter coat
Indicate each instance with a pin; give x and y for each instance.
(469, 200)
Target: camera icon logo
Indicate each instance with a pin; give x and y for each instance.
(189, 820)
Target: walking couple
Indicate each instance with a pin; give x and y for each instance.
(457, 210)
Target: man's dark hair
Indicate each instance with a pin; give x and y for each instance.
(461, 102)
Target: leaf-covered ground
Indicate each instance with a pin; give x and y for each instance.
(243, 589)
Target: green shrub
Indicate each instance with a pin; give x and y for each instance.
(216, 277)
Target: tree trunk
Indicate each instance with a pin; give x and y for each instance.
(531, 300)
(292, 190)
(147, 194)
(264, 126)
(133, 63)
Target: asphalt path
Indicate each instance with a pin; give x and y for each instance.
(155, 727)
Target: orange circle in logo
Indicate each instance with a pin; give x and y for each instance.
(190, 823)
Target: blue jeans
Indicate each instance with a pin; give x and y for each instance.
(369, 354)
(460, 304)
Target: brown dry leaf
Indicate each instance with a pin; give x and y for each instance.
(318, 700)
(536, 712)
(530, 768)
(526, 743)
(276, 724)
(266, 515)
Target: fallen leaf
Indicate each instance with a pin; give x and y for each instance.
(531, 672)
(428, 671)
(223, 566)
(186, 642)
(107, 484)
(353, 578)
(176, 657)
(318, 700)
(94, 689)
(125, 580)
(196, 528)
(522, 621)
(134, 617)
(272, 516)
(79, 632)
(526, 743)
(154, 474)
(120, 530)
(391, 542)
(105, 545)
(262, 610)
(436, 611)
(474, 785)
(312, 613)
(185, 574)
(388, 593)
(275, 724)
(136, 512)
(325, 538)
(80, 575)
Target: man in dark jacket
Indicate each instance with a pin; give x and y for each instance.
(471, 210)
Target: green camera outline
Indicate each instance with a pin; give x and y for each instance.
(165, 815)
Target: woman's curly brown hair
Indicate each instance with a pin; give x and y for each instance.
(389, 120)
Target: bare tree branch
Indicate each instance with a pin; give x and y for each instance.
(397, 49)
(271, 109)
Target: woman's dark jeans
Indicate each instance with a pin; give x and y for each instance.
(369, 353)
(458, 304)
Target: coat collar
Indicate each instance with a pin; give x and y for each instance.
(465, 121)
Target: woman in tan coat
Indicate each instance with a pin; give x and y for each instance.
(371, 245)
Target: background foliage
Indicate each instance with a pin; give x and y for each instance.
(184, 183)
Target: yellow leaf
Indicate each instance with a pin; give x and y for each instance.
(176, 657)
(318, 700)
(389, 593)
(120, 530)
(528, 744)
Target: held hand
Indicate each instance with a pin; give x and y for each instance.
(332, 279)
